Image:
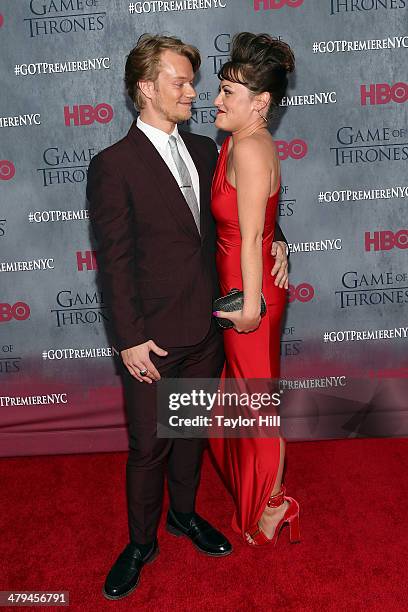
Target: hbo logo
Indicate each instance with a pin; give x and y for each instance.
(296, 149)
(382, 93)
(18, 311)
(386, 240)
(85, 114)
(303, 292)
(275, 4)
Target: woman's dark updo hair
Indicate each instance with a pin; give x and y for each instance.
(261, 63)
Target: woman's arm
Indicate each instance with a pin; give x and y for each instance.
(252, 178)
(253, 183)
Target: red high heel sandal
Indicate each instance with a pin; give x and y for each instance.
(291, 516)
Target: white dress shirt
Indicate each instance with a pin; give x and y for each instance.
(160, 140)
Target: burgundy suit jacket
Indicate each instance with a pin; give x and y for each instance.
(158, 273)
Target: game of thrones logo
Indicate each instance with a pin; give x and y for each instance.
(65, 166)
(368, 145)
(222, 46)
(372, 289)
(65, 16)
(350, 6)
(79, 308)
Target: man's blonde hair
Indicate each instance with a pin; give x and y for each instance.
(143, 62)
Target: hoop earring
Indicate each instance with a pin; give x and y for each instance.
(260, 114)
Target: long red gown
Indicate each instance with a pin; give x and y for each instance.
(248, 465)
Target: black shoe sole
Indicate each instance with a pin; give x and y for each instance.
(180, 534)
(115, 597)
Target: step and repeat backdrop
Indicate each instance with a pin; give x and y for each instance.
(342, 136)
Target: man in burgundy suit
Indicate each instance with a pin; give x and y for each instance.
(149, 199)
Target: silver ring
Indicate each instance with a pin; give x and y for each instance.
(143, 372)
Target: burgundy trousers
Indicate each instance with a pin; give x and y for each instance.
(150, 458)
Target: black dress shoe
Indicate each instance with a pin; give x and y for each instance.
(204, 537)
(124, 576)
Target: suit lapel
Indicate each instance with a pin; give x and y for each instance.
(158, 172)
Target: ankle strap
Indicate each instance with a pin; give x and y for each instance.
(277, 500)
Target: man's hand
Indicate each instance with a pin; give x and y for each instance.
(137, 359)
(281, 265)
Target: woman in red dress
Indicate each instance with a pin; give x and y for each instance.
(245, 195)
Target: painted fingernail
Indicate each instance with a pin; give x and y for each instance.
(215, 314)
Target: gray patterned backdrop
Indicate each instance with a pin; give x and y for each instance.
(343, 143)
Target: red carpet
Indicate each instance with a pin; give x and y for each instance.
(63, 523)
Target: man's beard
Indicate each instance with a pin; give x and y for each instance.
(170, 116)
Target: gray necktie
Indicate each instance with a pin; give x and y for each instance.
(186, 182)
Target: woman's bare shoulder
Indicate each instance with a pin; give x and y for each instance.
(256, 149)
(252, 148)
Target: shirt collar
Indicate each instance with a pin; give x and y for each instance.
(157, 136)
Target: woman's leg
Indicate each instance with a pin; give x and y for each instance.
(271, 516)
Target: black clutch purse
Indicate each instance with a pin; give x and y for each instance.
(234, 300)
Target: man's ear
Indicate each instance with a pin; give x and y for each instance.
(146, 87)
